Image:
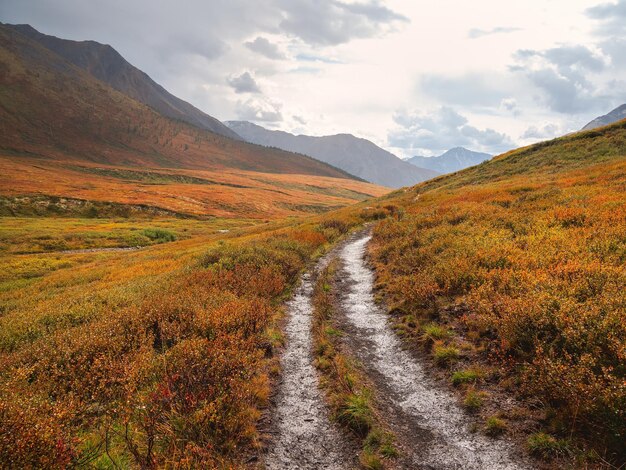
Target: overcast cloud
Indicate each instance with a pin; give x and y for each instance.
(414, 76)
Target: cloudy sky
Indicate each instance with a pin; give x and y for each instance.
(415, 76)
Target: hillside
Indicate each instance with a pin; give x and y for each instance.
(65, 134)
(617, 114)
(453, 160)
(357, 156)
(516, 270)
(107, 65)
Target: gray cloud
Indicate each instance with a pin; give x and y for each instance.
(543, 132)
(331, 22)
(258, 110)
(615, 48)
(264, 47)
(611, 18)
(441, 130)
(471, 89)
(244, 83)
(561, 75)
(476, 33)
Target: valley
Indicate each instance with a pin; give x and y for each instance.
(178, 292)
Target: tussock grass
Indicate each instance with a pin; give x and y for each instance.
(547, 446)
(495, 426)
(445, 355)
(465, 376)
(474, 400)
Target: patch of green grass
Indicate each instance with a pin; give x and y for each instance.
(465, 376)
(547, 446)
(356, 413)
(159, 235)
(381, 441)
(495, 426)
(474, 400)
(445, 355)
(370, 461)
(434, 332)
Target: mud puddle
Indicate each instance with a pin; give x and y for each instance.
(434, 431)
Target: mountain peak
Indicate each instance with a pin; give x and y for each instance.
(452, 160)
(103, 62)
(617, 114)
(355, 155)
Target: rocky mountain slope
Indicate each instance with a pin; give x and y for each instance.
(617, 114)
(357, 156)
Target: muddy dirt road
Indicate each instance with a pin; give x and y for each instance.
(305, 437)
(433, 429)
(433, 432)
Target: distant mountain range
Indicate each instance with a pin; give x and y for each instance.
(107, 65)
(357, 156)
(453, 160)
(617, 114)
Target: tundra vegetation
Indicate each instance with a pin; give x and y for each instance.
(518, 267)
(511, 274)
(150, 358)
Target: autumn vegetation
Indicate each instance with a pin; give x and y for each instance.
(510, 274)
(161, 357)
(518, 266)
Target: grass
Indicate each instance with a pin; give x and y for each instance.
(495, 426)
(445, 355)
(473, 400)
(465, 376)
(30, 235)
(434, 332)
(547, 446)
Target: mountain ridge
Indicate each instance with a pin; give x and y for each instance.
(355, 155)
(615, 115)
(106, 64)
(455, 159)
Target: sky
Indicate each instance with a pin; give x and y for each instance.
(416, 77)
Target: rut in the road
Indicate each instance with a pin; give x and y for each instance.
(437, 432)
(305, 437)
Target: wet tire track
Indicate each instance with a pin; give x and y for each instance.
(435, 428)
(305, 437)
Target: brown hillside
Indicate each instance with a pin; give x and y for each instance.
(50, 108)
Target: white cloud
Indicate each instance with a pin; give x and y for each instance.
(259, 110)
(437, 131)
(476, 33)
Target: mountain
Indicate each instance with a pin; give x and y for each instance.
(357, 156)
(453, 160)
(617, 114)
(107, 65)
(65, 134)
